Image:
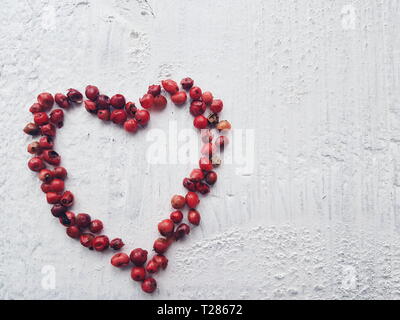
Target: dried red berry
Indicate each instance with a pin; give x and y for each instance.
(142, 117)
(149, 285)
(62, 101)
(152, 266)
(179, 98)
(166, 227)
(200, 122)
(74, 232)
(197, 108)
(90, 106)
(118, 116)
(160, 102)
(147, 101)
(202, 187)
(196, 175)
(32, 129)
(36, 107)
(211, 177)
(116, 243)
(48, 130)
(45, 187)
(194, 217)
(46, 100)
(131, 125)
(41, 118)
(189, 184)
(154, 90)
(130, 109)
(118, 101)
(170, 86)
(74, 96)
(67, 219)
(176, 216)
(57, 185)
(83, 220)
(53, 197)
(67, 199)
(36, 164)
(46, 142)
(57, 210)
(205, 164)
(207, 97)
(104, 114)
(192, 199)
(46, 175)
(161, 245)
(34, 148)
(51, 157)
(138, 256)
(182, 230)
(223, 125)
(100, 243)
(195, 93)
(138, 273)
(103, 102)
(60, 172)
(161, 260)
(187, 83)
(95, 226)
(86, 240)
(120, 260)
(177, 202)
(57, 117)
(92, 92)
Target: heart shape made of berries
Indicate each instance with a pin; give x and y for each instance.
(117, 110)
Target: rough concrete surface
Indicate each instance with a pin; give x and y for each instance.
(317, 81)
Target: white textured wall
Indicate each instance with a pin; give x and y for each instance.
(318, 81)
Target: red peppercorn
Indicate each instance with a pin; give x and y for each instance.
(177, 202)
(103, 114)
(192, 199)
(116, 243)
(131, 125)
(103, 102)
(152, 267)
(83, 220)
(120, 260)
(216, 106)
(32, 129)
(207, 97)
(100, 243)
(211, 177)
(208, 149)
(197, 108)
(138, 256)
(34, 148)
(118, 101)
(147, 101)
(46, 142)
(179, 98)
(92, 92)
(62, 101)
(223, 125)
(182, 230)
(67, 219)
(161, 260)
(130, 109)
(154, 90)
(46, 175)
(149, 285)
(73, 232)
(189, 184)
(202, 187)
(161, 245)
(187, 83)
(60, 172)
(48, 130)
(160, 102)
(200, 122)
(195, 93)
(196, 175)
(205, 164)
(194, 217)
(86, 240)
(45, 187)
(75, 96)
(118, 116)
(51, 157)
(67, 199)
(41, 118)
(53, 197)
(95, 226)
(36, 107)
(166, 227)
(221, 142)
(138, 273)
(90, 106)
(170, 86)
(46, 100)
(142, 117)
(36, 164)
(176, 216)
(57, 185)
(57, 210)
(57, 117)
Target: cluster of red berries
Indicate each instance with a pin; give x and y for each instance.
(126, 114)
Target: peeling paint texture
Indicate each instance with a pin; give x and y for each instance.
(318, 81)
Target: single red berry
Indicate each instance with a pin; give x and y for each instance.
(194, 217)
(48, 130)
(130, 109)
(223, 125)
(187, 83)
(161, 245)
(103, 102)
(142, 117)
(95, 226)
(67, 199)
(138, 256)
(131, 125)
(36, 164)
(170, 86)
(192, 199)
(86, 240)
(205, 164)
(57, 210)
(216, 106)
(182, 230)
(83, 220)
(161, 260)
(104, 114)
(120, 260)
(90, 106)
(206, 135)
(208, 149)
(179, 98)
(67, 219)
(32, 129)
(46, 100)
(197, 108)
(147, 101)
(200, 122)
(46, 175)
(34, 148)
(154, 90)
(41, 118)
(189, 184)
(221, 142)
(166, 227)
(57, 185)
(116, 243)
(57, 117)
(176, 216)
(118, 101)
(46, 142)
(207, 97)
(62, 100)
(152, 266)
(53, 197)
(75, 96)
(73, 232)
(149, 285)
(138, 273)
(211, 177)
(177, 202)
(100, 243)
(36, 107)
(45, 187)
(51, 157)
(195, 93)
(196, 175)
(118, 116)
(202, 187)
(92, 92)
(160, 102)
(60, 172)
